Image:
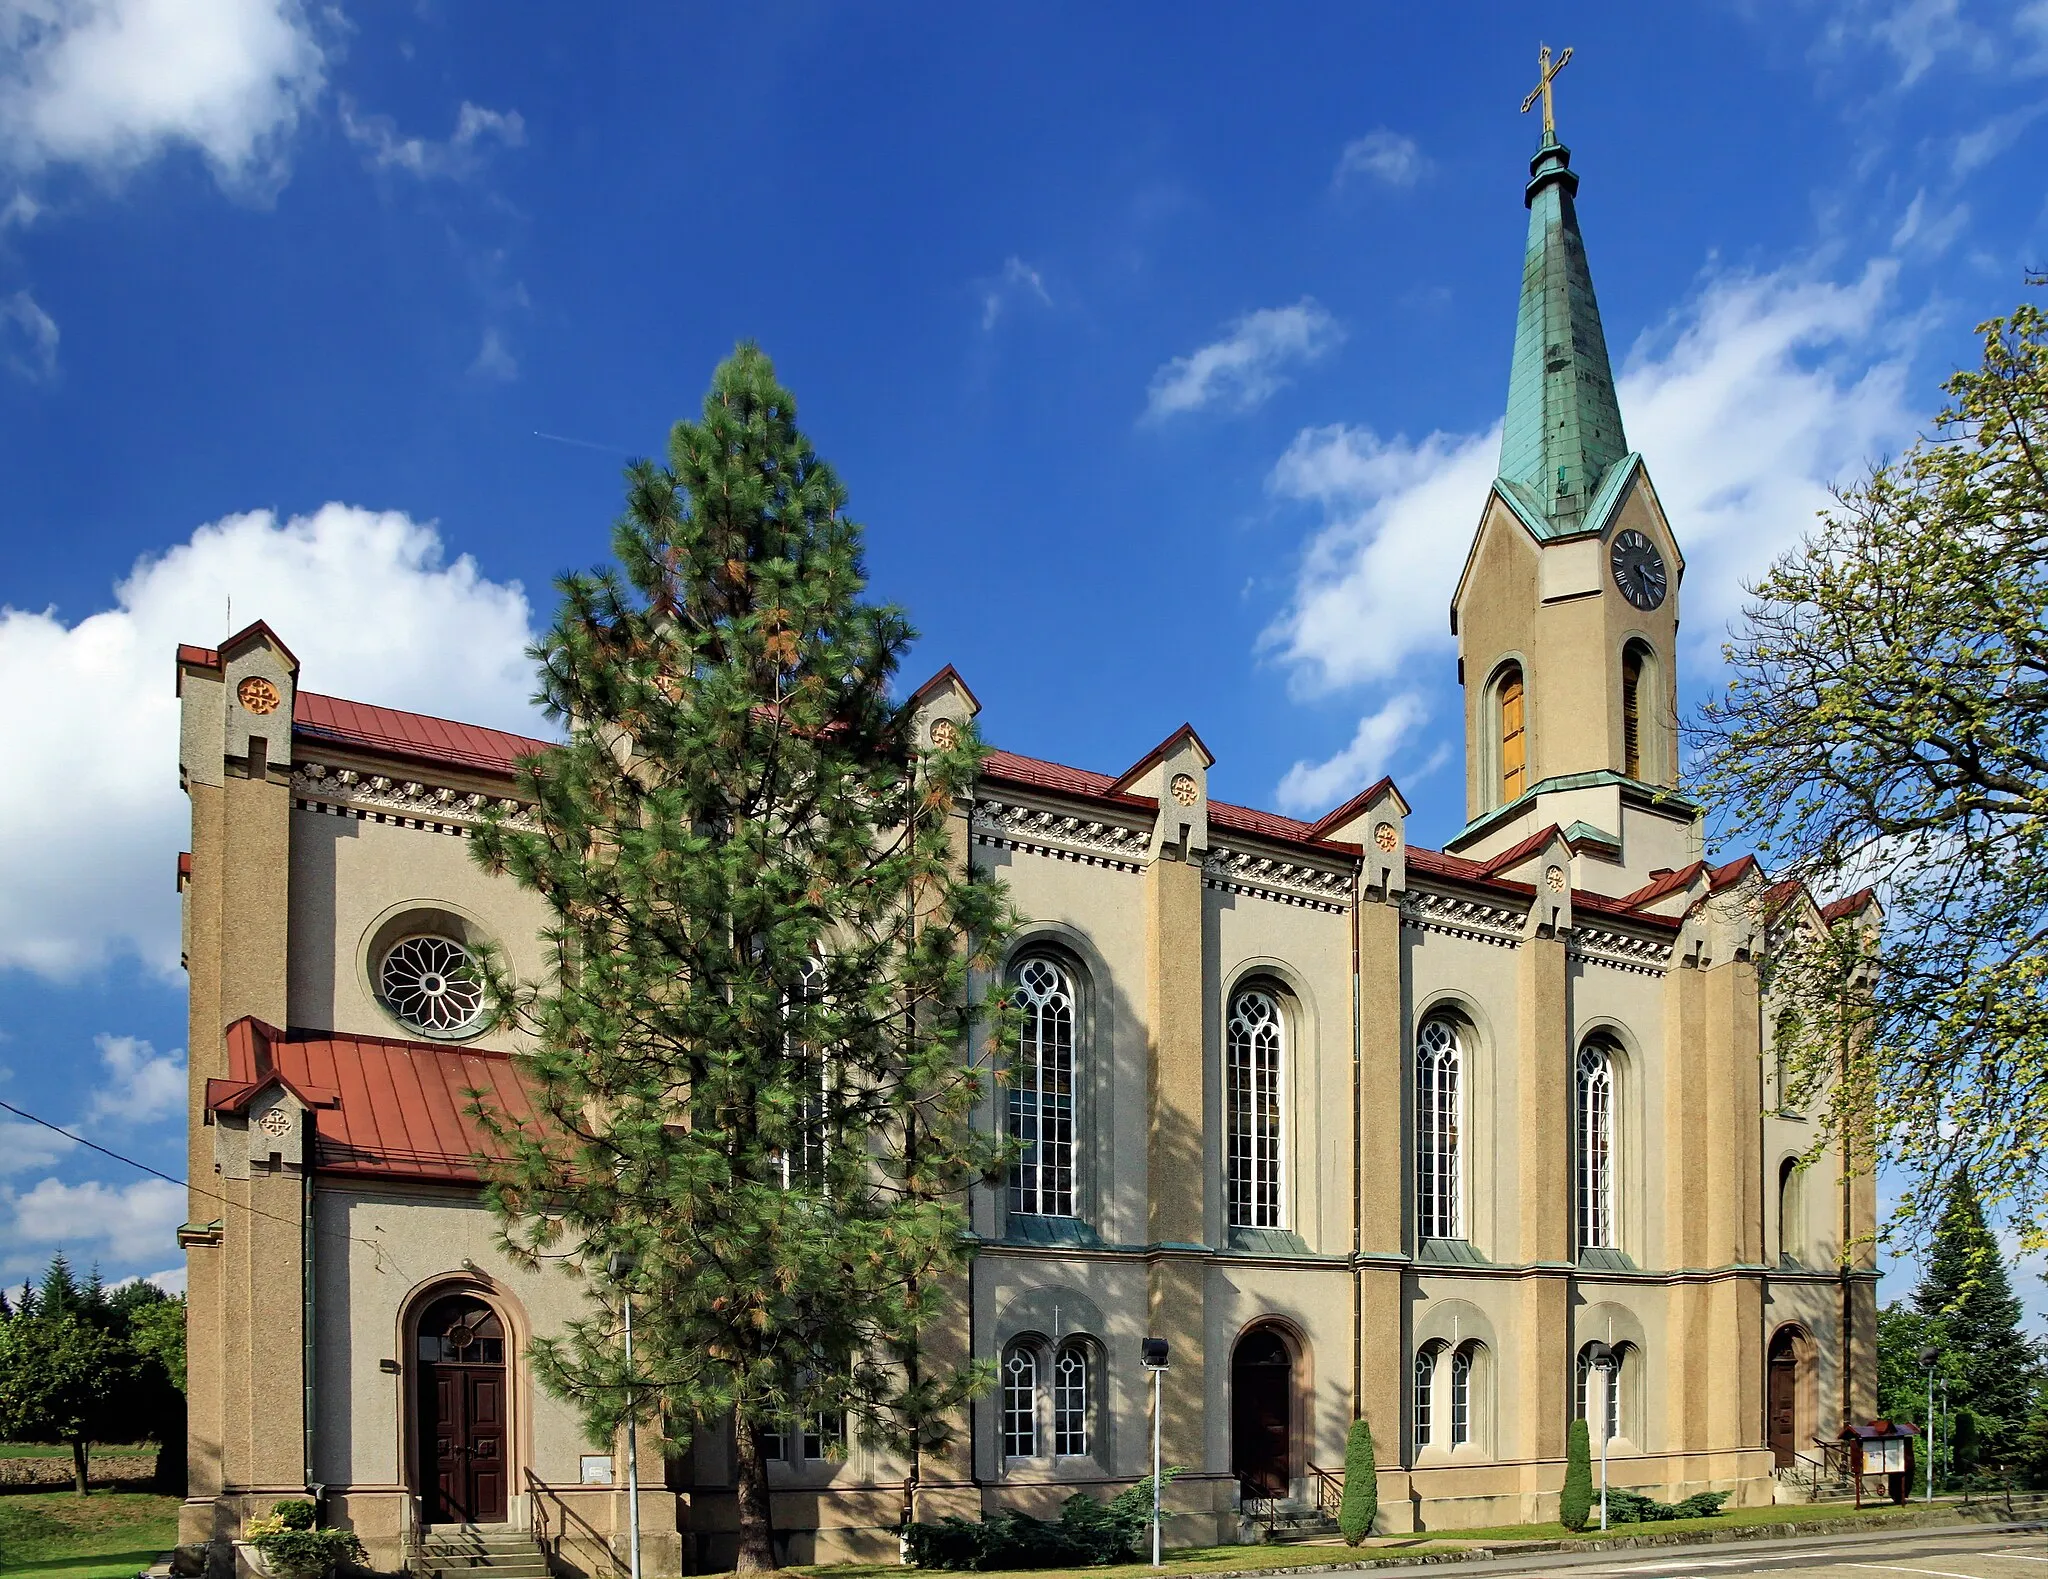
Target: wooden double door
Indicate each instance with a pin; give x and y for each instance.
(461, 1414)
(1262, 1413)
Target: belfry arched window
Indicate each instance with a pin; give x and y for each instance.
(1439, 1209)
(1042, 1093)
(1514, 736)
(1632, 711)
(1596, 1146)
(1254, 1063)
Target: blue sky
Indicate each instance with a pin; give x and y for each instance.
(1162, 349)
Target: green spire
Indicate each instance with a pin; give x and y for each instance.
(1563, 430)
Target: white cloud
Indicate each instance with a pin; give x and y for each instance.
(1384, 156)
(1018, 281)
(110, 84)
(142, 1085)
(90, 1222)
(1313, 787)
(25, 1146)
(1242, 370)
(460, 155)
(1747, 403)
(1926, 234)
(28, 336)
(494, 359)
(91, 818)
(1987, 142)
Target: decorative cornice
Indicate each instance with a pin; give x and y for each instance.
(1457, 916)
(412, 803)
(1621, 950)
(1276, 878)
(1012, 826)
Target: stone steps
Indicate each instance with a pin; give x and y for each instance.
(480, 1552)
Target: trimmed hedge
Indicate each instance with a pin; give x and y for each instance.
(1575, 1502)
(1089, 1534)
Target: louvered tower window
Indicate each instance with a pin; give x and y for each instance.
(1514, 739)
(1253, 1071)
(1632, 713)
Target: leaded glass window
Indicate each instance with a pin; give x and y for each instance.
(1596, 1146)
(1070, 1387)
(1042, 1093)
(1425, 1394)
(1599, 1378)
(1253, 1060)
(1461, 1395)
(1438, 1058)
(1020, 1402)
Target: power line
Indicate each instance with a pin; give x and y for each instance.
(183, 1184)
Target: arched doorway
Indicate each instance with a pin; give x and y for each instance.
(1262, 1412)
(1784, 1401)
(459, 1422)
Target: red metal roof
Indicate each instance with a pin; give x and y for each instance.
(1033, 773)
(389, 732)
(382, 1108)
(1848, 905)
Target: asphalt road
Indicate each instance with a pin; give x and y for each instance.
(2019, 1552)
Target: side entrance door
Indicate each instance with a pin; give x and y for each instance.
(1261, 1412)
(462, 1413)
(1782, 1402)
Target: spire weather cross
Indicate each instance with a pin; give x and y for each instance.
(1547, 71)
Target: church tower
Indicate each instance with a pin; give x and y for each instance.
(1567, 611)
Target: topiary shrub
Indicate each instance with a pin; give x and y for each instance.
(1575, 1502)
(1361, 1504)
(294, 1513)
(1632, 1507)
(1963, 1441)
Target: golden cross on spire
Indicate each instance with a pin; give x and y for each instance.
(1547, 71)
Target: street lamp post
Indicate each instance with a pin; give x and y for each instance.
(1928, 1356)
(1155, 1362)
(1608, 1371)
(621, 1267)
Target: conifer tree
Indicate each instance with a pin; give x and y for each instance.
(1361, 1502)
(754, 1054)
(1966, 1298)
(1575, 1501)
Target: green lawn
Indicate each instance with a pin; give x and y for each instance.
(63, 1451)
(1218, 1559)
(108, 1535)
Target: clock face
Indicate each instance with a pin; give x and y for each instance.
(1639, 570)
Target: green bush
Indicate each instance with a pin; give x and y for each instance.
(1089, 1534)
(1632, 1507)
(1963, 1439)
(310, 1554)
(1361, 1504)
(1575, 1502)
(294, 1513)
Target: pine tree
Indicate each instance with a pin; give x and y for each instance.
(1575, 1501)
(1361, 1503)
(60, 1291)
(754, 1054)
(1966, 1297)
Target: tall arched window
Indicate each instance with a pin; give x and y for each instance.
(1791, 1237)
(1632, 712)
(1253, 1067)
(1514, 738)
(1071, 1389)
(1020, 1401)
(1425, 1393)
(1437, 1128)
(1461, 1395)
(1596, 1146)
(1042, 1093)
(803, 1160)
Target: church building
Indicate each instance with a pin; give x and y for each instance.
(1468, 1142)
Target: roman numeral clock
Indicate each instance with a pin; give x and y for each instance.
(1639, 570)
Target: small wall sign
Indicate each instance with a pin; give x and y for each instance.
(597, 1469)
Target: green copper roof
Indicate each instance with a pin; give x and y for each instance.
(1563, 432)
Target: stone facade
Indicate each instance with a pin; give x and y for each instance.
(1320, 1229)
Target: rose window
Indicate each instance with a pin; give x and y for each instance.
(432, 983)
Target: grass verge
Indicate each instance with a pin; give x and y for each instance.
(108, 1535)
(62, 1450)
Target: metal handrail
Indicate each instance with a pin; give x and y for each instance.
(538, 1491)
(1329, 1488)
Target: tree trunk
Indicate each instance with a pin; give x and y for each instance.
(757, 1526)
(78, 1466)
